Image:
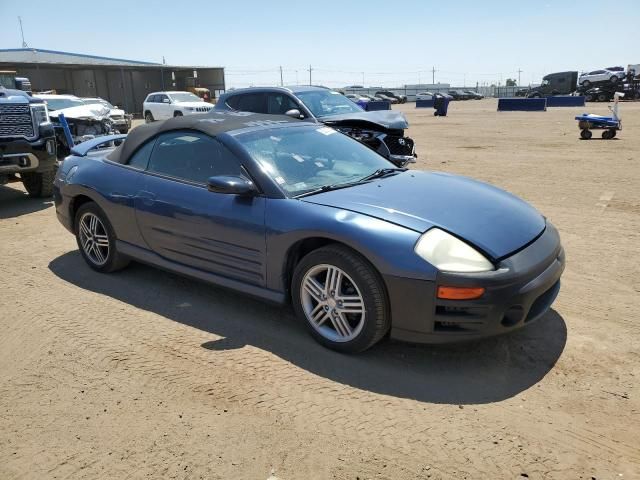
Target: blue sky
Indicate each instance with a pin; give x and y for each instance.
(392, 43)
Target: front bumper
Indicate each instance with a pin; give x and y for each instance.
(519, 292)
(18, 155)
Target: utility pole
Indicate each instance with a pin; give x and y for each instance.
(310, 70)
(24, 44)
(433, 75)
(281, 80)
(519, 72)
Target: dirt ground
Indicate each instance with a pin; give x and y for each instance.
(145, 374)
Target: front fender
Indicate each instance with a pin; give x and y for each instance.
(389, 247)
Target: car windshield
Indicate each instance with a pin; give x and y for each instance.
(61, 103)
(97, 101)
(185, 97)
(305, 159)
(324, 103)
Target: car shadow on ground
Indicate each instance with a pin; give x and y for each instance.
(15, 203)
(478, 372)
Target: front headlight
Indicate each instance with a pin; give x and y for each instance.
(449, 254)
(40, 114)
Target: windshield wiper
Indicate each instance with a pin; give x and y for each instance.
(382, 172)
(327, 188)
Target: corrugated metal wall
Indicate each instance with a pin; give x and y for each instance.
(125, 87)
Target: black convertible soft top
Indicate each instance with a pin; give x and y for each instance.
(212, 123)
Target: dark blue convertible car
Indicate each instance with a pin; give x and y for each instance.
(290, 211)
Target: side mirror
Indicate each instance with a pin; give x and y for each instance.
(294, 113)
(232, 185)
(166, 100)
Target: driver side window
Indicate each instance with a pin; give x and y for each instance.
(192, 156)
(280, 103)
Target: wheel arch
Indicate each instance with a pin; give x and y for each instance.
(302, 247)
(75, 204)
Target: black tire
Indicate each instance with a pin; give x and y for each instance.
(38, 185)
(177, 114)
(607, 135)
(586, 84)
(603, 97)
(613, 133)
(614, 79)
(377, 319)
(114, 260)
(586, 134)
(588, 98)
(148, 117)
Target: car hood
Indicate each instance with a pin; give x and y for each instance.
(492, 220)
(381, 119)
(93, 111)
(190, 104)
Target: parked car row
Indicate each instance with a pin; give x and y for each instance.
(452, 95)
(385, 95)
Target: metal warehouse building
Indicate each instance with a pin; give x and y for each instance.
(125, 83)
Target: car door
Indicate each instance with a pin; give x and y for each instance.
(255, 102)
(182, 221)
(280, 103)
(152, 106)
(159, 107)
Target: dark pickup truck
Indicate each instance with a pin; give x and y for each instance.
(27, 142)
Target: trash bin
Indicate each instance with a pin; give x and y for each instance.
(441, 104)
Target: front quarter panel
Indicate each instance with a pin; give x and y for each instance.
(387, 246)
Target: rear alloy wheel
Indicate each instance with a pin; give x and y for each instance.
(586, 84)
(614, 79)
(148, 117)
(177, 114)
(341, 298)
(96, 239)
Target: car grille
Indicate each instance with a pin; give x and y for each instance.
(203, 109)
(15, 121)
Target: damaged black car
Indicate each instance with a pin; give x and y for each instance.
(383, 131)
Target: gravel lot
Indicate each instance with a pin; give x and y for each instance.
(144, 374)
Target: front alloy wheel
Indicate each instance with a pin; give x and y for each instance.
(341, 298)
(332, 303)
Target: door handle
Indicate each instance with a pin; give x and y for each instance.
(146, 197)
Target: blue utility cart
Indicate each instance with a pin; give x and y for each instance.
(609, 125)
